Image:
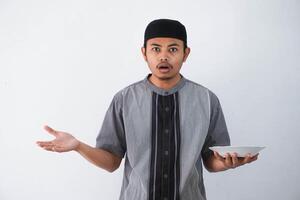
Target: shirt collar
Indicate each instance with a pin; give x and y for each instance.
(165, 92)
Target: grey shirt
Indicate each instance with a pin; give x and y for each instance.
(164, 136)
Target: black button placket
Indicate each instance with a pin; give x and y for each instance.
(166, 125)
(164, 181)
(164, 168)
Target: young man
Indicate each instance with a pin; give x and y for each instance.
(165, 124)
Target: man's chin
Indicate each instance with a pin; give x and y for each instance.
(165, 77)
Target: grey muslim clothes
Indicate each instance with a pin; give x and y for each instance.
(165, 135)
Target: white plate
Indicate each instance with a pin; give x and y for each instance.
(241, 151)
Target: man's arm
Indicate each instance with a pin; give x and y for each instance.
(216, 163)
(65, 142)
(218, 136)
(99, 157)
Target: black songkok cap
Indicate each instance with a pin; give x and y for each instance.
(165, 28)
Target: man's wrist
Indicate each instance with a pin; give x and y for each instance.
(78, 146)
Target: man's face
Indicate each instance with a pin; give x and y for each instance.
(165, 57)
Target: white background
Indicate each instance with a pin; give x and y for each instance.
(62, 61)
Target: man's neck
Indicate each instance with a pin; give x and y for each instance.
(165, 84)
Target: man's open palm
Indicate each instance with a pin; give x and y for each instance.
(63, 141)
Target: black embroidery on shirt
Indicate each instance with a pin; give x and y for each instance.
(165, 148)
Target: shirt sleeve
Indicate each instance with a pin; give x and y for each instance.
(217, 132)
(111, 136)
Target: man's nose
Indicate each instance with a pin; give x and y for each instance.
(164, 58)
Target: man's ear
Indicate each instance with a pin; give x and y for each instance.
(143, 49)
(186, 53)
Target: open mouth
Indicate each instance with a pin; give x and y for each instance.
(164, 67)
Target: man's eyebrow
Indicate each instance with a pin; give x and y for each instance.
(170, 45)
(174, 44)
(154, 44)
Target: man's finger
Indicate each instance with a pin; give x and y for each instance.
(41, 143)
(228, 160)
(234, 160)
(47, 145)
(50, 130)
(218, 156)
(253, 158)
(247, 159)
(48, 148)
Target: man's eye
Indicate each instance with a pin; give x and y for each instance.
(173, 49)
(155, 49)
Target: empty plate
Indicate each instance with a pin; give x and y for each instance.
(241, 151)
